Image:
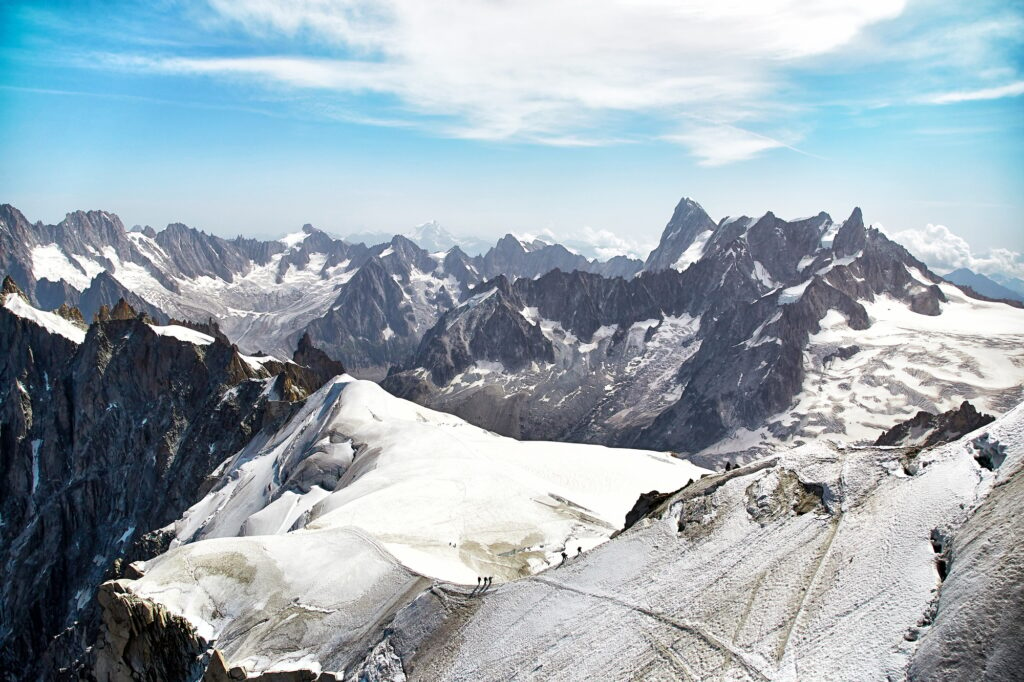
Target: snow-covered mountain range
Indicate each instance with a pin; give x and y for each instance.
(737, 335)
(180, 500)
(265, 294)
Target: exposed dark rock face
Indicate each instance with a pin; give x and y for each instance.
(371, 324)
(195, 253)
(100, 443)
(645, 504)
(688, 221)
(143, 641)
(851, 237)
(582, 302)
(756, 293)
(107, 291)
(461, 267)
(488, 326)
(318, 361)
(310, 369)
(51, 295)
(926, 429)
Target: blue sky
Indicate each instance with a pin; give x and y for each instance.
(566, 117)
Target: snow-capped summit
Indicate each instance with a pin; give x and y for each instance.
(432, 237)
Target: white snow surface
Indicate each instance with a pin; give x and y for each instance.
(51, 322)
(508, 507)
(50, 262)
(905, 362)
(747, 589)
(183, 334)
(418, 493)
(694, 252)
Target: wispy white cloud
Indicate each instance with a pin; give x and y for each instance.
(943, 250)
(1014, 89)
(549, 71)
(717, 145)
(592, 243)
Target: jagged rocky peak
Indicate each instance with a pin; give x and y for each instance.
(11, 287)
(11, 218)
(308, 355)
(196, 253)
(460, 266)
(105, 289)
(71, 314)
(688, 222)
(402, 254)
(94, 226)
(851, 236)
(781, 246)
(926, 429)
(370, 323)
(121, 311)
(309, 369)
(133, 418)
(486, 327)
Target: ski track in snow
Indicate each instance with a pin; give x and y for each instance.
(826, 595)
(422, 494)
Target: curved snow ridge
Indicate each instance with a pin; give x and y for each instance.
(315, 536)
(447, 499)
(51, 322)
(181, 333)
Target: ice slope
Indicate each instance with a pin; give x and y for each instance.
(359, 499)
(308, 600)
(815, 564)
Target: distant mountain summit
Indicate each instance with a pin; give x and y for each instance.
(682, 239)
(983, 285)
(431, 236)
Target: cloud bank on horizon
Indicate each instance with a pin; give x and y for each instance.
(944, 251)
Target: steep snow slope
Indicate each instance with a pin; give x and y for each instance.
(819, 563)
(51, 322)
(358, 499)
(484, 504)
